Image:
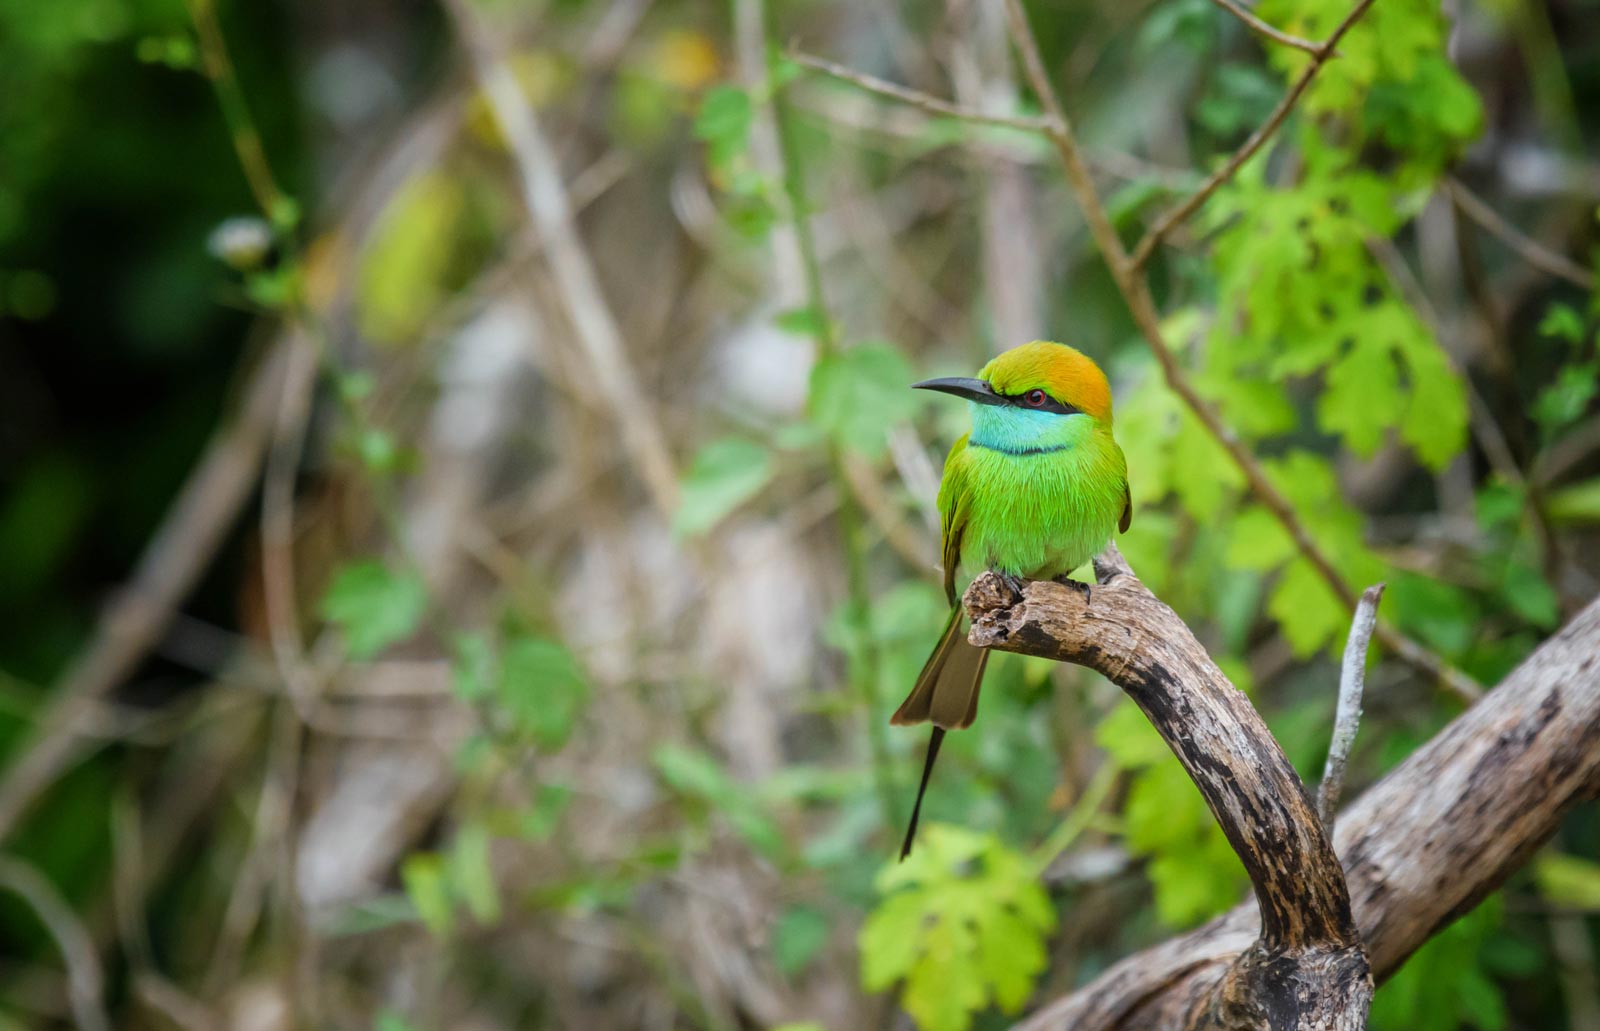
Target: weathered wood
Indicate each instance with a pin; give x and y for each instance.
(1307, 970)
(1419, 848)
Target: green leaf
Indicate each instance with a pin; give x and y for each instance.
(1562, 402)
(405, 271)
(543, 689)
(472, 672)
(1127, 736)
(1568, 881)
(697, 775)
(724, 475)
(1310, 614)
(1578, 503)
(723, 123)
(725, 114)
(1257, 540)
(799, 935)
(1444, 985)
(1562, 322)
(541, 819)
(857, 394)
(1362, 396)
(804, 322)
(389, 1020)
(962, 923)
(1435, 421)
(378, 450)
(373, 606)
(423, 876)
(472, 876)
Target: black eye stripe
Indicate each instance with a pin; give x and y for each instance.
(1050, 403)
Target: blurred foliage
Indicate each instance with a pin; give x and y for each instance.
(600, 764)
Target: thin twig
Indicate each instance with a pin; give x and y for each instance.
(172, 562)
(1179, 212)
(550, 210)
(916, 98)
(1261, 28)
(246, 139)
(1525, 246)
(85, 979)
(1135, 291)
(1347, 716)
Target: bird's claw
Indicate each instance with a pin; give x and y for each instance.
(1015, 583)
(1068, 581)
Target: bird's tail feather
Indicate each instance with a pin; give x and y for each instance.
(946, 692)
(922, 789)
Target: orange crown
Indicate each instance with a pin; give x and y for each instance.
(1063, 372)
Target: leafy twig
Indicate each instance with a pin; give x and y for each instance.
(1179, 212)
(1261, 28)
(1135, 290)
(1347, 715)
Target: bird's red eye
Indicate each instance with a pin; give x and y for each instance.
(1035, 398)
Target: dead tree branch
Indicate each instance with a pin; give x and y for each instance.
(1423, 846)
(1307, 968)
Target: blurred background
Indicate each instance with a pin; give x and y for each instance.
(463, 524)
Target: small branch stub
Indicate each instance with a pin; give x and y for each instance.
(1307, 969)
(1347, 715)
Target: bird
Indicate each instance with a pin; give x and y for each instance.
(1032, 491)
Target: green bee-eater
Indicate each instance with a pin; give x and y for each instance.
(1034, 490)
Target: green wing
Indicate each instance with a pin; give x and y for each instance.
(955, 501)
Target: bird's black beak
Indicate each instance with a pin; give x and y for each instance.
(961, 386)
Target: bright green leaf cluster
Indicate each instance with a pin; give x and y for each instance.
(962, 923)
(437, 884)
(723, 124)
(536, 683)
(374, 606)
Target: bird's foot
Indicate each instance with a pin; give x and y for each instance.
(1087, 589)
(1015, 583)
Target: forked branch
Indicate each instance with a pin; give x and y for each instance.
(1421, 847)
(1307, 968)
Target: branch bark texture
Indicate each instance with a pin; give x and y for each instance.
(1306, 969)
(1418, 849)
